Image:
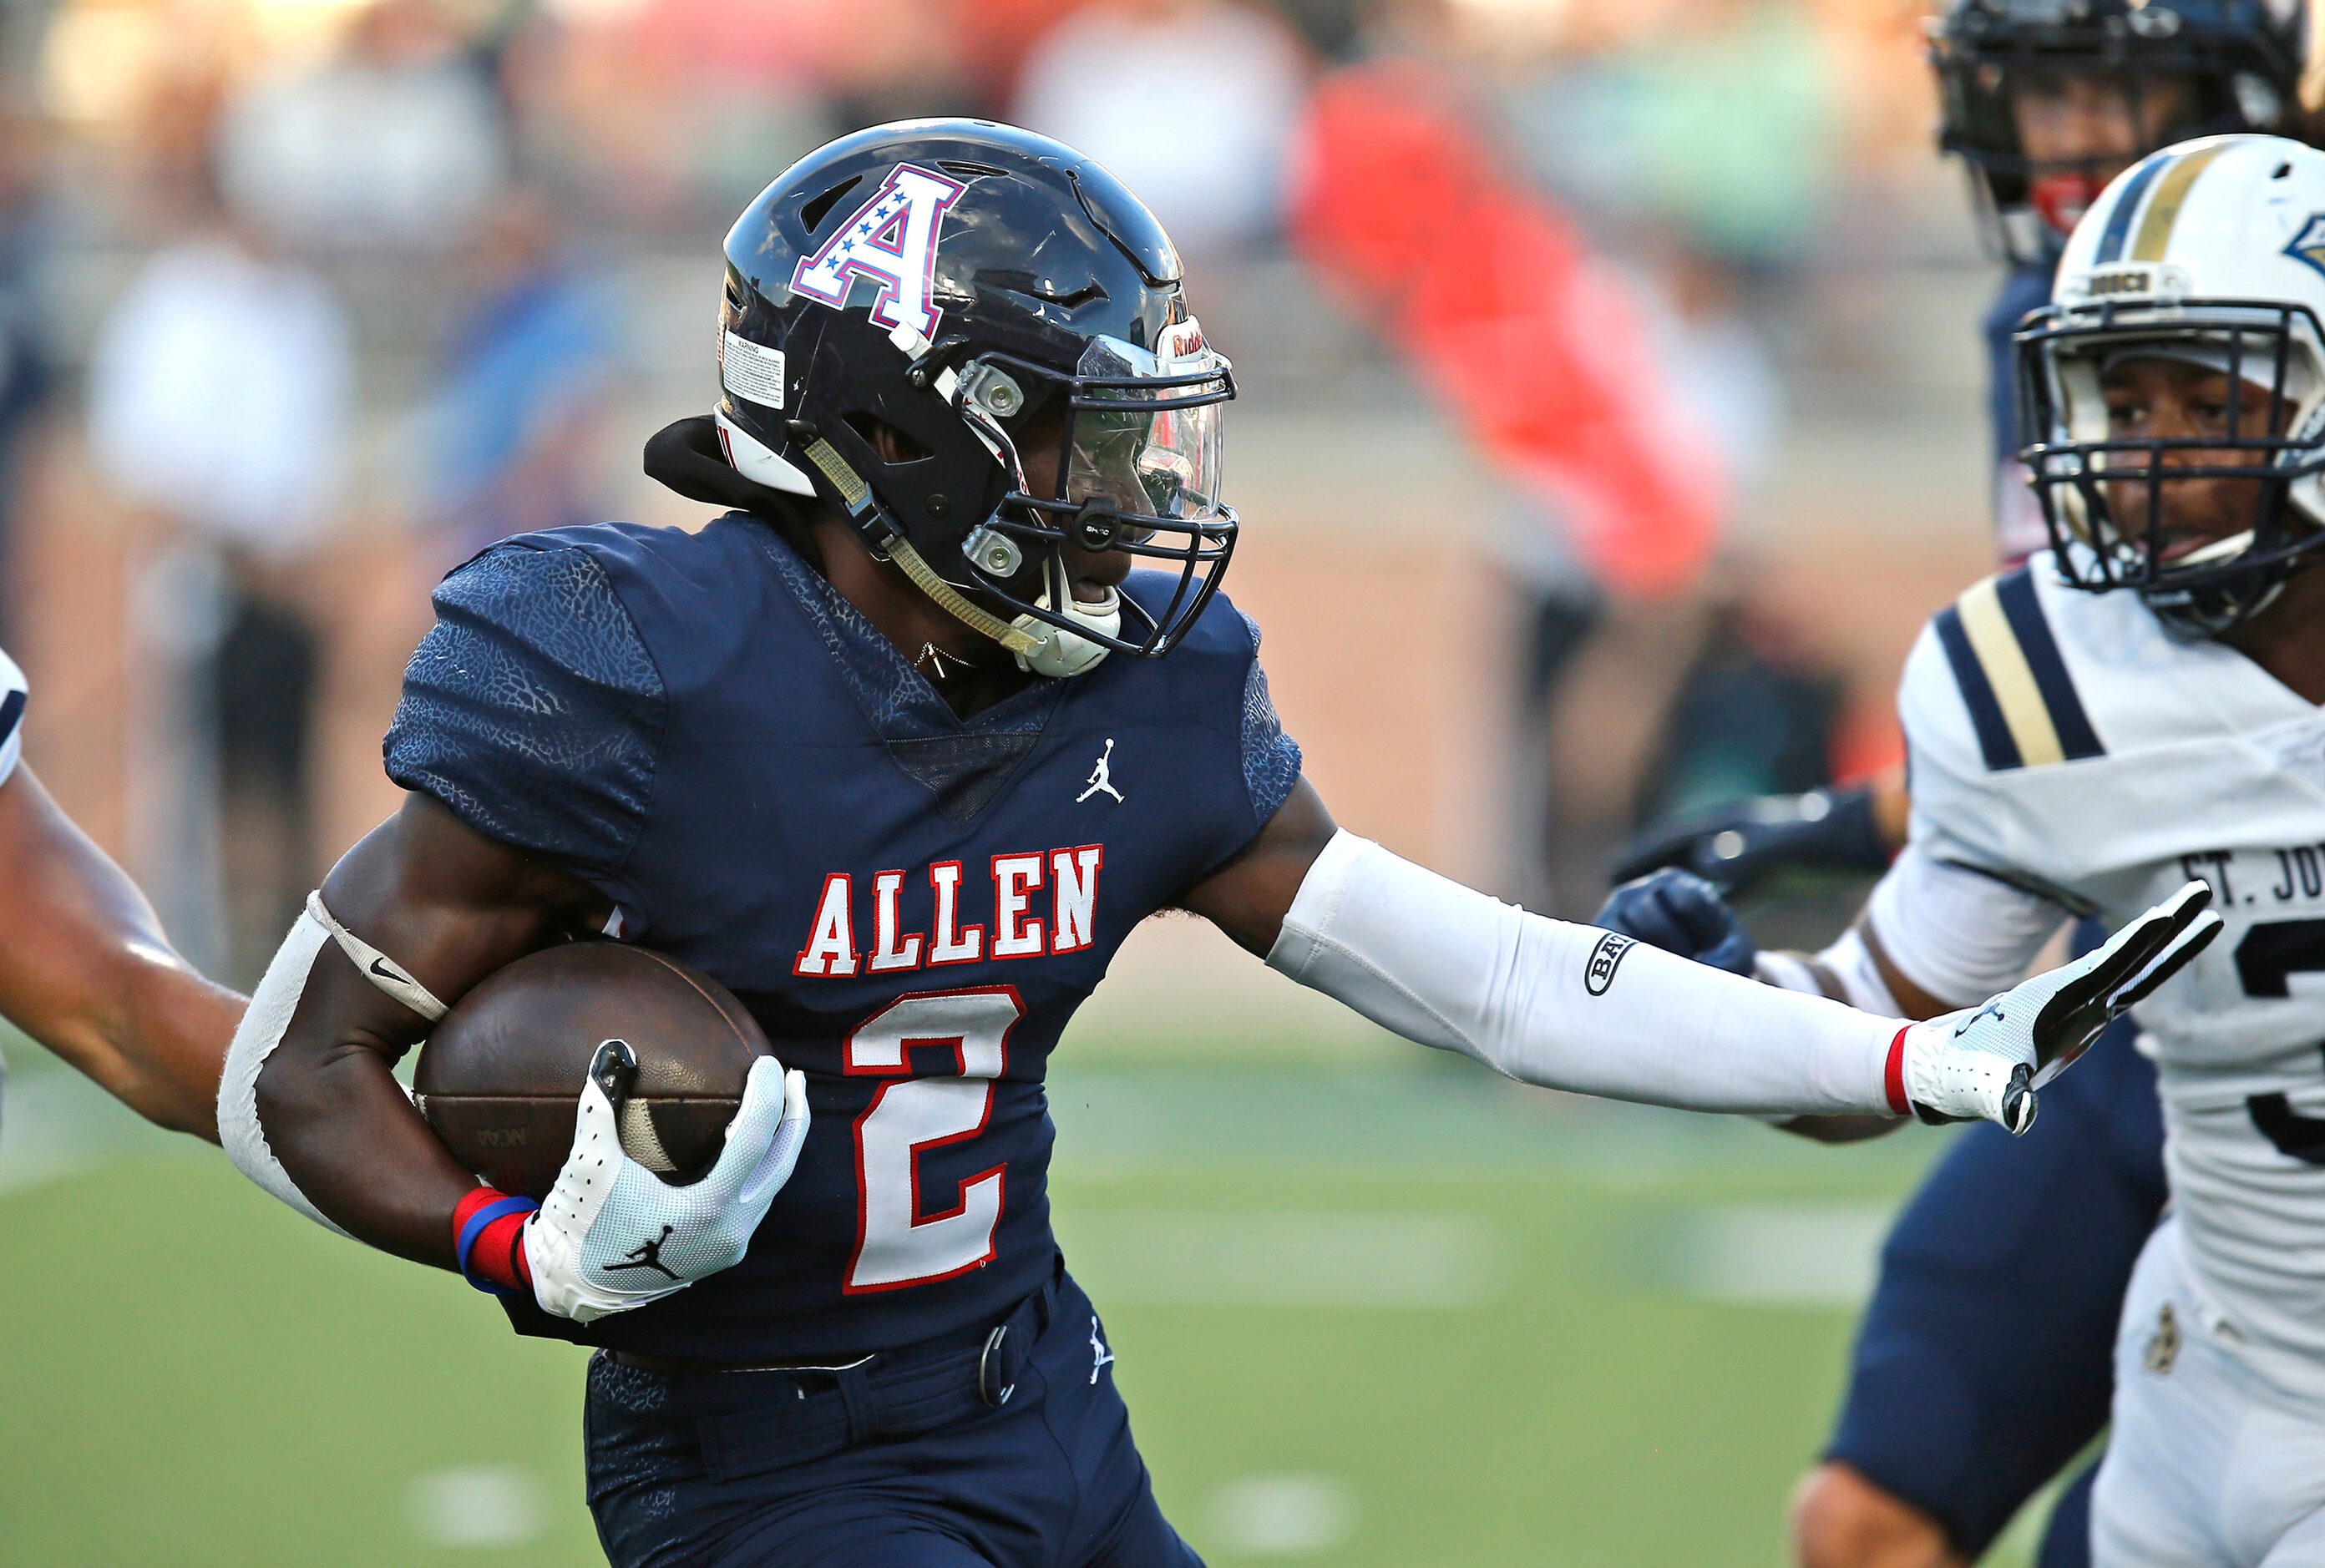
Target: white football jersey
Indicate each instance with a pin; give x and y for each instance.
(12, 715)
(2061, 741)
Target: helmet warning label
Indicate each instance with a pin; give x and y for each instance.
(749, 370)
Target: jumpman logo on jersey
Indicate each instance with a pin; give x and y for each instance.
(647, 1255)
(1101, 778)
(1100, 1357)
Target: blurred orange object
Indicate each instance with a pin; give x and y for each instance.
(1542, 348)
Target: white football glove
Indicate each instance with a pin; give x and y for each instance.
(613, 1235)
(1985, 1063)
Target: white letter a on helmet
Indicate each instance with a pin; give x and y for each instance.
(892, 239)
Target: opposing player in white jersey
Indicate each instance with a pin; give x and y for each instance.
(2136, 706)
(2175, 396)
(84, 967)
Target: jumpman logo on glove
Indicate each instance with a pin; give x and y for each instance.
(647, 1255)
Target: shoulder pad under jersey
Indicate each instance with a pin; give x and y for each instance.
(532, 710)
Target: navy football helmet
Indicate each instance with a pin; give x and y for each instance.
(2185, 68)
(972, 342)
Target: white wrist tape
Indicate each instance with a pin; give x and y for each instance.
(254, 1040)
(377, 967)
(1568, 1006)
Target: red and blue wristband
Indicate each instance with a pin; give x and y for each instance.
(488, 1241)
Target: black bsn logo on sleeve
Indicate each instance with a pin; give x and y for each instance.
(1600, 974)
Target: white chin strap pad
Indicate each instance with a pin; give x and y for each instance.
(261, 1031)
(1062, 652)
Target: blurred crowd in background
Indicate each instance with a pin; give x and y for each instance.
(1604, 364)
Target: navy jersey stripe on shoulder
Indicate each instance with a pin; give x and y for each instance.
(1994, 737)
(2023, 609)
(11, 713)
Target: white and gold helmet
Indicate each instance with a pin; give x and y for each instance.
(2212, 252)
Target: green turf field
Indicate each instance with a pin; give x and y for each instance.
(1404, 1315)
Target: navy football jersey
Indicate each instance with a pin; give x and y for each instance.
(911, 904)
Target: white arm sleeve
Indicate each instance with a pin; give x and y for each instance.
(1958, 934)
(1568, 1006)
(271, 1005)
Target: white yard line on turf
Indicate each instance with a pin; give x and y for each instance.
(1282, 1515)
(476, 1505)
(1807, 1255)
(1296, 1258)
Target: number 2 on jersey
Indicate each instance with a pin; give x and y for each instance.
(897, 1244)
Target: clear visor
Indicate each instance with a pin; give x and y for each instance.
(1144, 460)
(1143, 435)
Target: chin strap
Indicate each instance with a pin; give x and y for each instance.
(949, 599)
(702, 458)
(857, 496)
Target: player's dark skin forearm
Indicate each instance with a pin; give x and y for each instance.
(86, 970)
(451, 906)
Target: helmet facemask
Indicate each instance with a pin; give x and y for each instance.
(941, 329)
(2108, 500)
(1124, 455)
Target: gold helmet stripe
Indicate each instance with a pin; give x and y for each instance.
(2171, 194)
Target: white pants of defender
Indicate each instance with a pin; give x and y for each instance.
(2209, 1465)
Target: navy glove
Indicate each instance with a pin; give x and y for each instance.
(1734, 848)
(1679, 913)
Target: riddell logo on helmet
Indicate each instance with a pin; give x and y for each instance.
(2123, 281)
(1183, 341)
(891, 239)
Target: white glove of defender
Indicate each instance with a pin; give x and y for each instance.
(613, 1235)
(1986, 1063)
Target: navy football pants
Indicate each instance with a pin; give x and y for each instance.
(721, 1470)
(1984, 1364)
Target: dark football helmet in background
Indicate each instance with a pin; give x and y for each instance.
(972, 342)
(2181, 68)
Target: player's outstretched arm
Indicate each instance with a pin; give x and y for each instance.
(86, 970)
(1973, 931)
(1573, 1008)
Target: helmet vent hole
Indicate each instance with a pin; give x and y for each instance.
(893, 445)
(2282, 170)
(966, 171)
(1070, 299)
(814, 212)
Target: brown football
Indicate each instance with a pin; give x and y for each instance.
(500, 1077)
